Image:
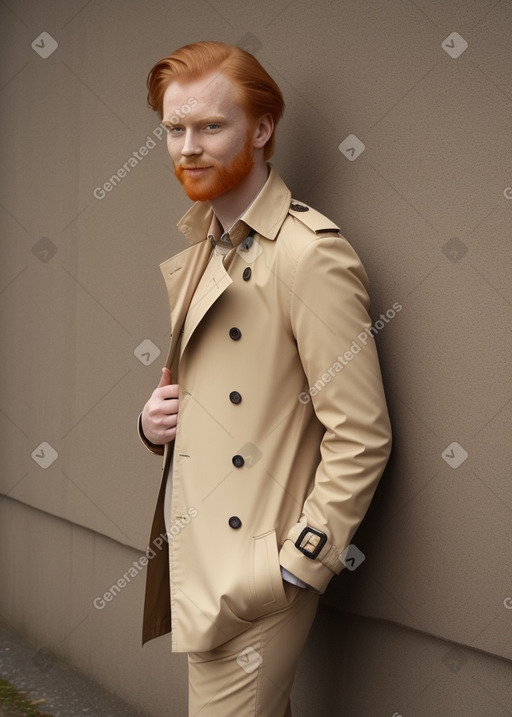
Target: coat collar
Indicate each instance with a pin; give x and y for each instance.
(265, 215)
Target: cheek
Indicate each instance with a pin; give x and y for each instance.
(232, 148)
(172, 148)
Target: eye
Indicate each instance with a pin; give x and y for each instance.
(212, 126)
(173, 129)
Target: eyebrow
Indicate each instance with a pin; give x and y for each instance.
(204, 120)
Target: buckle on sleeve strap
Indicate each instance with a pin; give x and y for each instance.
(310, 542)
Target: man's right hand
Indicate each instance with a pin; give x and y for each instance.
(160, 414)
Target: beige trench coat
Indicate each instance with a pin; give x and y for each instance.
(282, 420)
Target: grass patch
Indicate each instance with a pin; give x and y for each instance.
(13, 703)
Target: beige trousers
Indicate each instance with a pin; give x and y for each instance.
(252, 674)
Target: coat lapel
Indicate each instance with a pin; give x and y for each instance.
(213, 283)
(182, 274)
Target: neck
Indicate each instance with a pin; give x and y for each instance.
(230, 206)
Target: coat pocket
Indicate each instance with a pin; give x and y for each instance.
(266, 574)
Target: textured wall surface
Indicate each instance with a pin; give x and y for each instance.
(398, 126)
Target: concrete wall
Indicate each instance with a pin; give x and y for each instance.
(424, 625)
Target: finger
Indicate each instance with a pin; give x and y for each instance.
(165, 379)
(167, 429)
(171, 421)
(169, 407)
(166, 393)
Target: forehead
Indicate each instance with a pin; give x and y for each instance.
(211, 94)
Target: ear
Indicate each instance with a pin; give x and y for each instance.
(263, 131)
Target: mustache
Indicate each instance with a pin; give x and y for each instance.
(198, 165)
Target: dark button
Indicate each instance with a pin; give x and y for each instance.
(247, 273)
(247, 243)
(235, 522)
(235, 397)
(235, 333)
(238, 461)
(298, 207)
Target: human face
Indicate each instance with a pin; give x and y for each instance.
(210, 138)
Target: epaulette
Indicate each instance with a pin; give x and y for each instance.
(315, 221)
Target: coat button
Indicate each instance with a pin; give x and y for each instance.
(247, 242)
(238, 461)
(235, 333)
(235, 522)
(247, 273)
(235, 397)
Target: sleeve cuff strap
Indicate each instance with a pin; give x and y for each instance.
(329, 555)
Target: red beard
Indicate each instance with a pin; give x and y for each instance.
(218, 179)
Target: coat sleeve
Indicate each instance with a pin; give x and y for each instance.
(330, 321)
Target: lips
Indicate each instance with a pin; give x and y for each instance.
(195, 168)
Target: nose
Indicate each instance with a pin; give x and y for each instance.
(191, 144)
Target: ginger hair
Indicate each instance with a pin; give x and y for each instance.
(258, 94)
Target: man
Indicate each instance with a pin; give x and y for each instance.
(269, 414)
